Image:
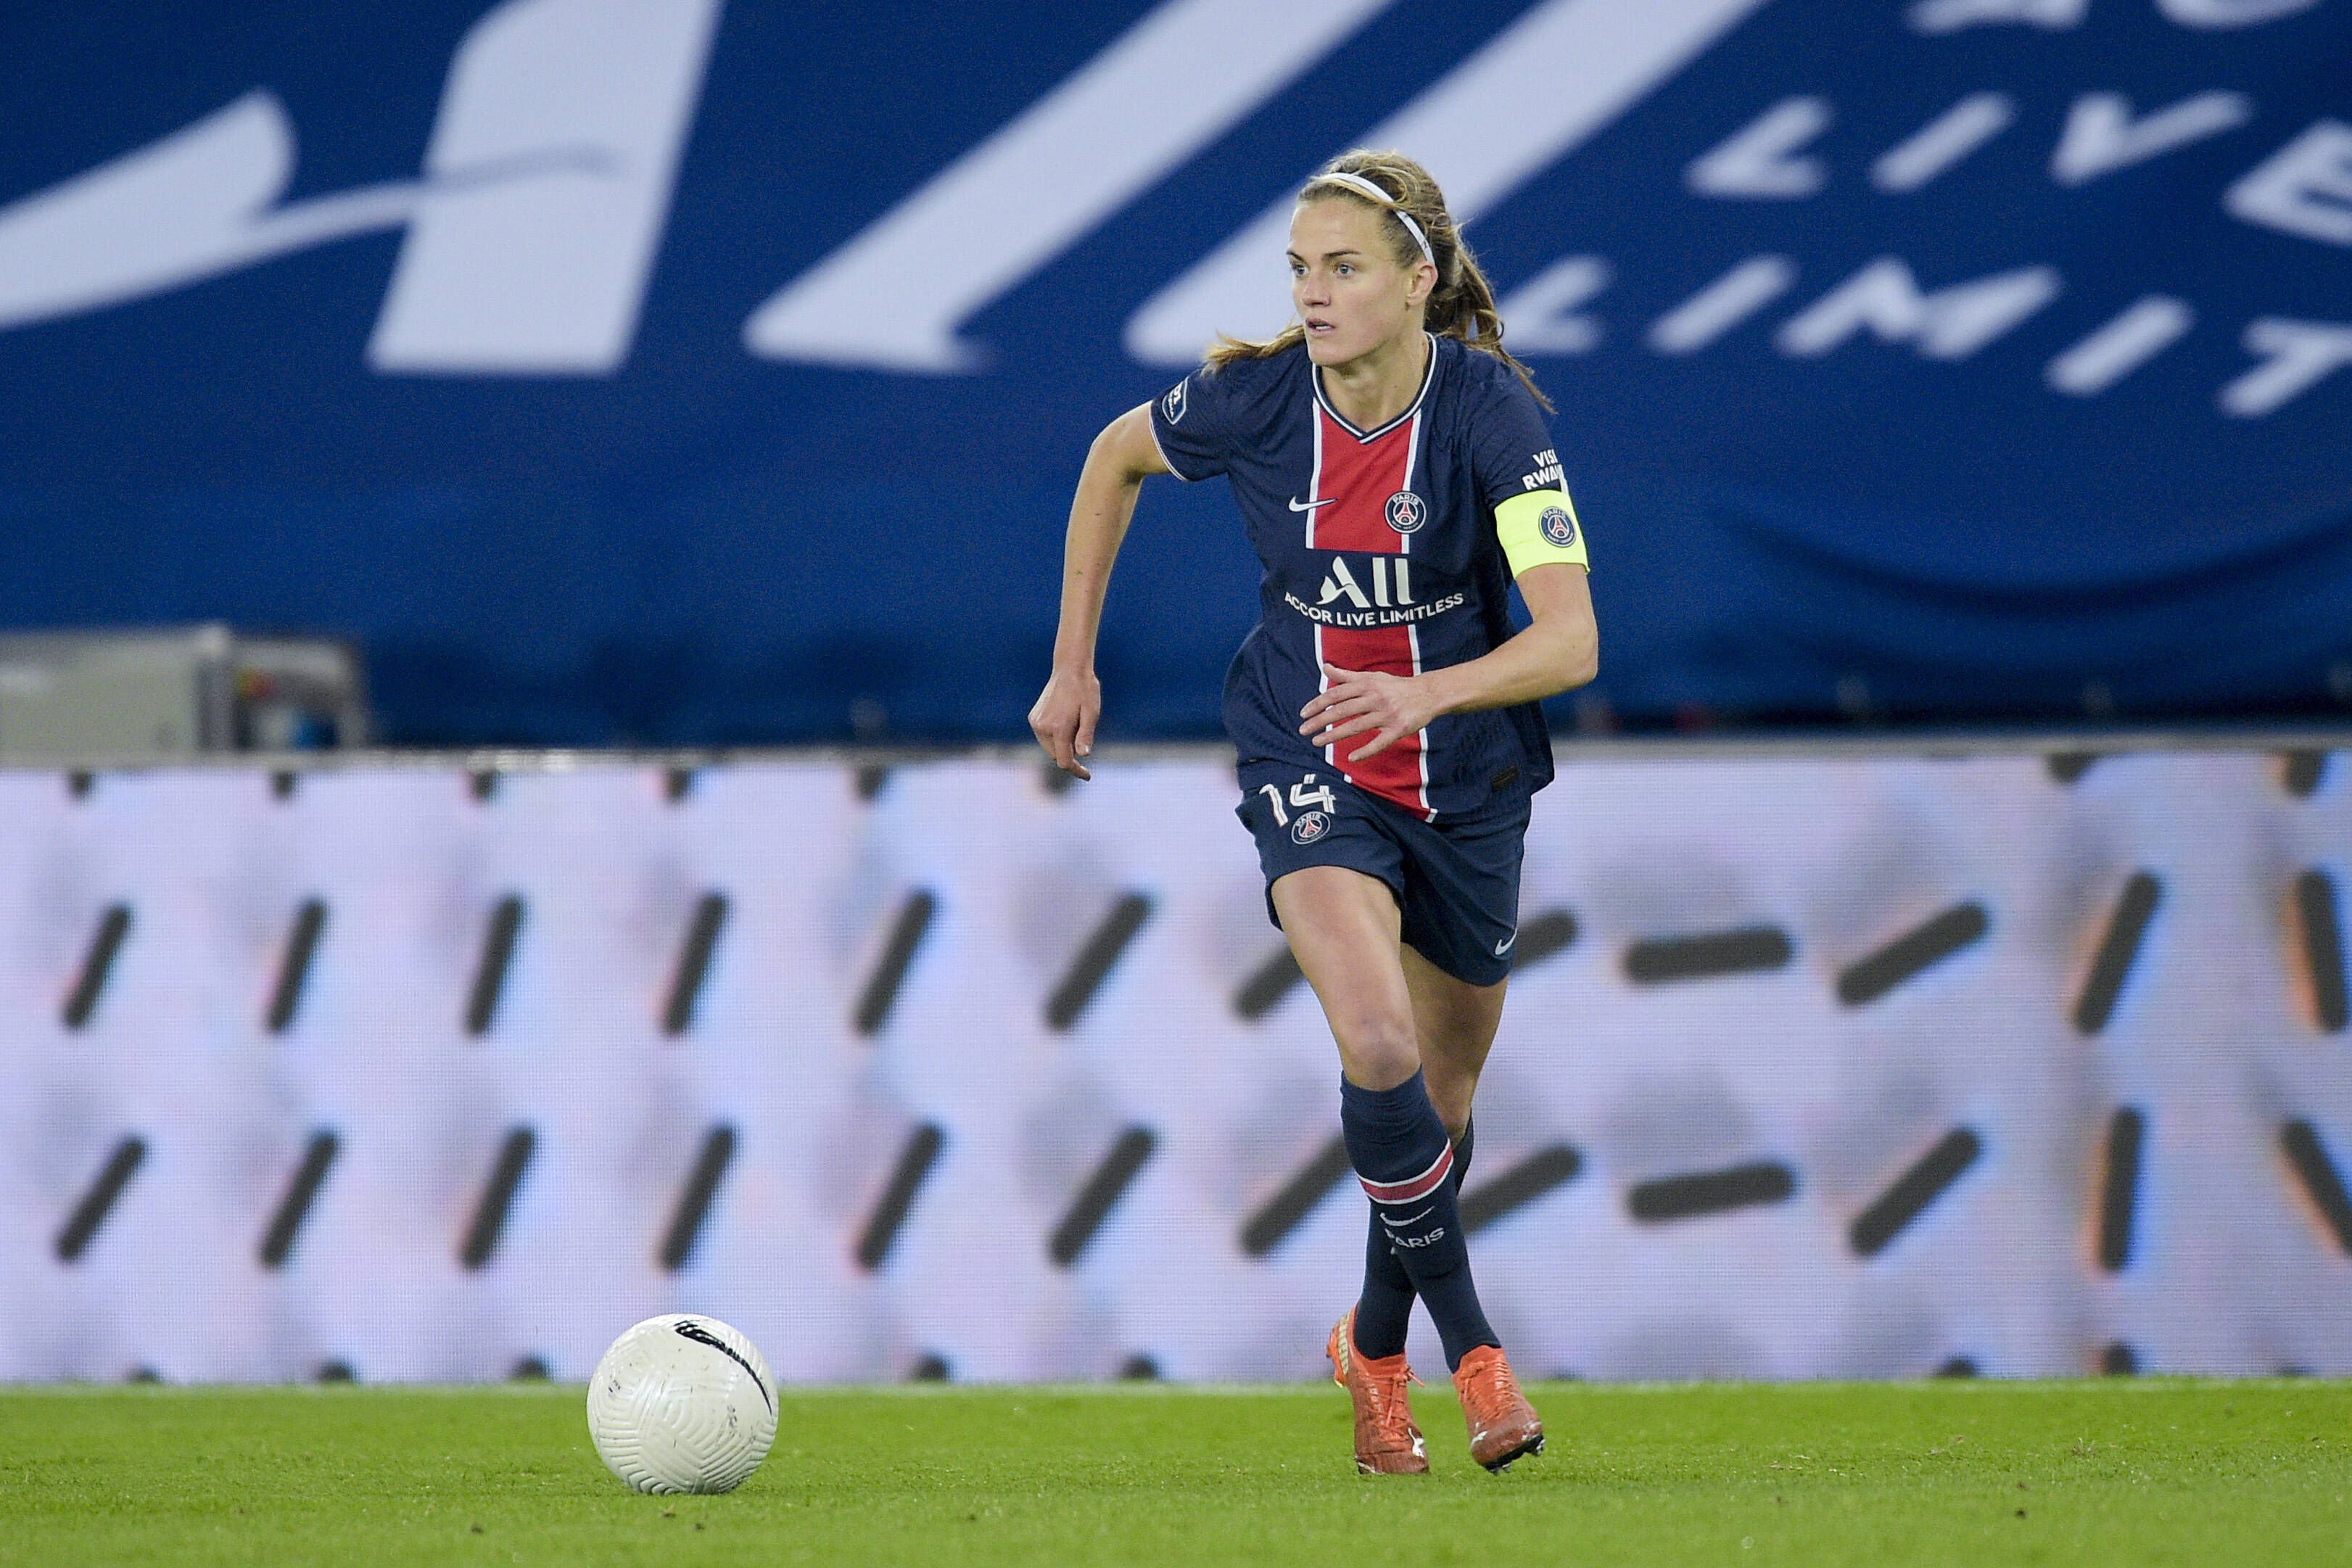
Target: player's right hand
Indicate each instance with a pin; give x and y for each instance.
(1064, 719)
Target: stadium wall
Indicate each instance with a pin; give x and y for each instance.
(1834, 1064)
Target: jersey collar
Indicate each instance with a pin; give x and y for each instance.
(1428, 374)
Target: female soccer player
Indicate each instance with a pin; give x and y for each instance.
(1392, 463)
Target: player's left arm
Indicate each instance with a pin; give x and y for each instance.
(1558, 650)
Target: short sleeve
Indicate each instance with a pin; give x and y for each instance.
(1511, 446)
(1197, 421)
(1519, 479)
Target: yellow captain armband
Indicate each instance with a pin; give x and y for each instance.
(1538, 528)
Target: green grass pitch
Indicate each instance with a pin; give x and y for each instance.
(2139, 1472)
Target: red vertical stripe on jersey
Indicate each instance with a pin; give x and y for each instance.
(1397, 774)
(1354, 480)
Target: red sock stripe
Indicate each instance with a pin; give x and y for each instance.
(1413, 1189)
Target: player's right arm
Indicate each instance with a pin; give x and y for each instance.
(1121, 457)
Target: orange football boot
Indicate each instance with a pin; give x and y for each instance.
(1503, 1425)
(1387, 1442)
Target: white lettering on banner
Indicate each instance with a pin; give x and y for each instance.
(1759, 160)
(2144, 330)
(896, 296)
(2101, 136)
(2230, 13)
(2300, 355)
(1951, 15)
(1723, 304)
(546, 276)
(531, 234)
(1478, 130)
(1540, 316)
(1943, 141)
(1950, 324)
(197, 204)
(1955, 323)
(2303, 189)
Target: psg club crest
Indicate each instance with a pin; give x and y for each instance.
(1308, 826)
(1557, 526)
(1173, 405)
(1407, 512)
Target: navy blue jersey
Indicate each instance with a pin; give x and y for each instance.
(1380, 554)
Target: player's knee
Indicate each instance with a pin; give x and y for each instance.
(1380, 1048)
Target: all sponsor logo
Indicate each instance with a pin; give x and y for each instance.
(1308, 826)
(1558, 527)
(1407, 512)
(1340, 583)
(1383, 597)
(1172, 407)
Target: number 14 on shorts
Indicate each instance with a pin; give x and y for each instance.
(1301, 797)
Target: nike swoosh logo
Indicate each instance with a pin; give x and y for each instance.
(1297, 505)
(1505, 945)
(693, 1330)
(1409, 1218)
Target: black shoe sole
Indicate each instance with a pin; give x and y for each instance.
(1499, 1466)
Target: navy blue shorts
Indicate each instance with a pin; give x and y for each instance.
(1457, 880)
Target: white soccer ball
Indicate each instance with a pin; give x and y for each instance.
(682, 1403)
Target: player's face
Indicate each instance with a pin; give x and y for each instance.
(1351, 294)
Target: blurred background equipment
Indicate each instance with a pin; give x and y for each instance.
(124, 695)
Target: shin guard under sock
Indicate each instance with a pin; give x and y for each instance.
(1399, 1149)
(1384, 1310)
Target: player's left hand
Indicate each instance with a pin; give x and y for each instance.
(1360, 701)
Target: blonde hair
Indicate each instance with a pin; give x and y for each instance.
(1460, 306)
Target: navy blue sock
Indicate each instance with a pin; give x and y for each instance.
(1385, 1309)
(1399, 1149)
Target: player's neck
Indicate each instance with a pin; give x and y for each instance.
(1374, 388)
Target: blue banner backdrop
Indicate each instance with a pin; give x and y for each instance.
(646, 370)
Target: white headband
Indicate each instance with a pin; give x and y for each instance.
(1357, 183)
